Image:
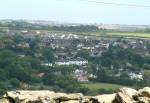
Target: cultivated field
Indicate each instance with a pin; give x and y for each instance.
(123, 34)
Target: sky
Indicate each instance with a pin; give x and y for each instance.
(77, 11)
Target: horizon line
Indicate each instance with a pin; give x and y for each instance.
(79, 23)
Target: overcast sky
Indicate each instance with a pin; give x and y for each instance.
(76, 11)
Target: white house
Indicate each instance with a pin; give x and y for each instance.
(47, 64)
(136, 76)
(24, 31)
(72, 62)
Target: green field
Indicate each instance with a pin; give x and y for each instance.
(141, 35)
(96, 86)
(118, 34)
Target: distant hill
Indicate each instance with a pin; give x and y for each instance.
(123, 27)
(119, 27)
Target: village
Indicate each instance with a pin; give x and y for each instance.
(70, 48)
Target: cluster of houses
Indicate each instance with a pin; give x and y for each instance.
(135, 76)
(78, 62)
(72, 62)
(95, 45)
(68, 45)
(81, 75)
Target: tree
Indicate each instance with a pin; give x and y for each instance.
(34, 45)
(18, 71)
(101, 75)
(3, 88)
(3, 74)
(6, 58)
(48, 54)
(146, 66)
(83, 53)
(15, 82)
(18, 39)
(146, 76)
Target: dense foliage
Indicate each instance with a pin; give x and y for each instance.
(17, 71)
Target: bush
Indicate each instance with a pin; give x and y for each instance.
(3, 88)
(15, 82)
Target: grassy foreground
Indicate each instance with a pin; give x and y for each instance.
(97, 86)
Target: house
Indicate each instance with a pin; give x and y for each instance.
(125, 46)
(38, 32)
(23, 45)
(80, 45)
(82, 79)
(80, 75)
(136, 76)
(25, 86)
(47, 64)
(24, 31)
(104, 45)
(77, 61)
(92, 76)
(20, 55)
(76, 36)
(40, 75)
(63, 62)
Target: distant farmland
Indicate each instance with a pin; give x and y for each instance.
(110, 34)
(134, 35)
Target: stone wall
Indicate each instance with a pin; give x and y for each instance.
(125, 95)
